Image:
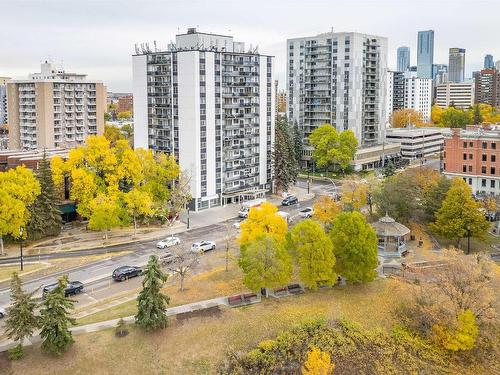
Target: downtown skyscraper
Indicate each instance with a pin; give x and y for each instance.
(456, 65)
(403, 59)
(425, 53)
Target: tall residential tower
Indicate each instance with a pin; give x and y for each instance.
(456, 66)
(403, 59)
(210, 102)
(338, 79)
(54, 108)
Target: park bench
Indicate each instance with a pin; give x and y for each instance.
(280, 291)
(249, 297)
(295, 289)
(234, 300)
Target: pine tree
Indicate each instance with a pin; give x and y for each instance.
(284, 158)
(55, 319)
(297, 142)
(151, 303)
(21, 320)
(45, 218)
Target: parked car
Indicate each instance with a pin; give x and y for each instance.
(3, 312)
(284, 215)
(203, 246)
(306, 212)
(73, 287)
(126, 272)
(167, 242)
(167, 258)
(246, 206)
(290, 200)
(237, 224)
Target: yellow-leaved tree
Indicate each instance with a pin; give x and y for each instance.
(354, 195)
(19, 189)
(461, 336)
(325, 210)
(263, 220)
(318, 362)
(138, 203)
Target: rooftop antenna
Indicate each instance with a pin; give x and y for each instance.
(136, 49)
(154, 43)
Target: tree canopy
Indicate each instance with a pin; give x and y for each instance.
(355, 247)
(263, 220)
(285, 164)
(332, 149)
(404, 117)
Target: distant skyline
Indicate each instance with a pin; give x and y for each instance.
(98, 37)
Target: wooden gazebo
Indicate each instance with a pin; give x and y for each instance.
(391, 237)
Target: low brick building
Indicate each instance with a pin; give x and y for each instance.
(473, 154)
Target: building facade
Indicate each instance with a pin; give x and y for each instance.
(54, 108)
(425, 53)
(211, 103)
(487, 87)
(456, 65)
(472, 154)
(460, 95)
(395, 91)
(125, 103)
(440, 72)
(488, 62)
(281, 102)
(417, 142)
(338, 79)
(418, 96)
(403, 59)
(3, 100)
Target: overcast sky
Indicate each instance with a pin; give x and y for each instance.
(97, 37)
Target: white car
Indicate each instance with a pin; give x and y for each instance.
(306, 212)
(203, 246)
(167, 242)
(3, 312)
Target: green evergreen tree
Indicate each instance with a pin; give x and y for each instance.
(21, 320)
(55, 320)
(477, 116)
(389, 169)
(45, 218)
(151, 303)
(284, 158)
(355, 247)
(297, 142)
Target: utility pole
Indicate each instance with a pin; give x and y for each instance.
(21, 232)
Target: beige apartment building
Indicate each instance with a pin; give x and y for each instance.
(53, 109)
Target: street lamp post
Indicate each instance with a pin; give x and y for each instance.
(468, 239)
(21, 232)
(308, 180)
(188, 218)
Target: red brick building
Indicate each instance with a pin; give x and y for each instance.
(474, 155)
(125, 103)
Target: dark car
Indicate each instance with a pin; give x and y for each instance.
(73, 287)
(288, 201)
(126, 272)
(167, 258)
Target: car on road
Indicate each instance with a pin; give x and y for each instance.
(246, 206)
(73, 287)
(306, 212)
(290, 200)
(3, 312)
(126, 272)
(203, 246)
(167, 242)
(167, 258)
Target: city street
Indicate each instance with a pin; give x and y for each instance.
(96, 276)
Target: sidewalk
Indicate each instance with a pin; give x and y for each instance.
(94, 327)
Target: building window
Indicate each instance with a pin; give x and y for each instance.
(485, 145)
(492, 171)
(470, 181)
(493, 158)
(485, 157)
(465, 144)
(470, 168)
(493, 145)
(470, 156)
(464, 168)
(492, 184)
(483, 182)
(465, 156)
(483, 169)
(471, 144)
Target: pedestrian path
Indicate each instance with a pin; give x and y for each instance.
(94, 327)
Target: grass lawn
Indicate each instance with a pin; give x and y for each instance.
(476, 244)
(203, 286)
(6, 271)
(196, 345)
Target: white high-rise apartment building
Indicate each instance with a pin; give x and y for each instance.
(54, 108)
(211, 103)
(460, 95)
(3, 100)
(339, 79)
(418, 96)
(395, 91)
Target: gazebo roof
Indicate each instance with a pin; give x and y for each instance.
(388, 227)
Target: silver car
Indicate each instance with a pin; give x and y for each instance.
(306, 212)
(202, 246)
(168, 242)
